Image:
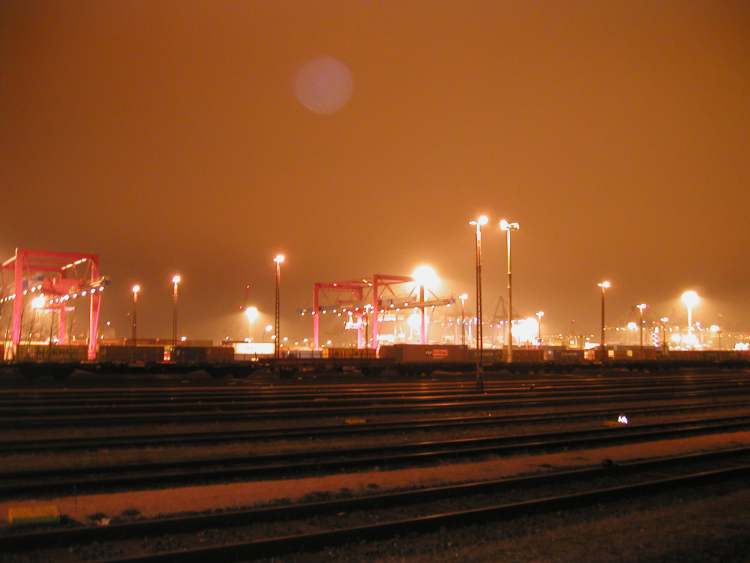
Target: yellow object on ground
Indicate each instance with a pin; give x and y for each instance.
(32, 514)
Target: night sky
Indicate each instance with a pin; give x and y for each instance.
(170, 136)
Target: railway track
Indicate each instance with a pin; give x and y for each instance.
(14, 484)
(332, 431)
(389, 514)
(234, 412)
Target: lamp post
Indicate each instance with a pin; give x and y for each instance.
(604, 286)
(252, 315)
(134, 317)
(539, 316)
(176, 281)
(462, 298)
(478, 223)
(278, 260)
(508, 227)
(664, 341)
(425, 278)
(641, 308)
(690, 299)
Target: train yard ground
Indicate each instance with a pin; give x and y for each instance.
(610, 465)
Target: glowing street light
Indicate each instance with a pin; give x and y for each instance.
(478, 223)
(38, 302)
(604, 286)
(136, 289)
(642, 307)
(252, 315)
(462, 298)
(425, 277)
(508, 227)
(176, 281)
(539, 315)
(690, 299)
(278, 260)
(664, 340)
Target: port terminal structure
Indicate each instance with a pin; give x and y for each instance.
(367, 301)
(52, 282)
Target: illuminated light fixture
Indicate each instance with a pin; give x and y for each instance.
(482, 220)
(279, 259)
(38, 302)
(83, 294)
(506, 226)
(136, 289)
(690, 299)
(177, 279)
(604, 285)
(426, 277)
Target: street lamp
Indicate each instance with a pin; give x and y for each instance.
(604, 286)
(641, 308)
(664, 341)
(462, 298)
(690, 299)
(508, 227)
(478, 223)
(133, 321)
(425, 277)
(278, 260)
(539, 315)
(176, 281)
(252, 315)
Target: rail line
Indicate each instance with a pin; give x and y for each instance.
(237, 400)
(153, 474)
(304, 410)
(192, 438)
(734, 461)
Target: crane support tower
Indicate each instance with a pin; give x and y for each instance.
(55, 282)
(366, 299)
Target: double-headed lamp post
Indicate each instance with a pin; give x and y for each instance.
(462, 298)
(642, 307)
(136, 289)
(604, 286)
(478, 223)
(508, 227)
(176, 281)
(539, 316)
(278, 260)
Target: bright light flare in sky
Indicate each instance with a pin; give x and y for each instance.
(324, 85)
(426, 276)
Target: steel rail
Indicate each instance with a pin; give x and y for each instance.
(238, 402)
(171, 439)
(153, 474)
(323, 411)
(190, 523)
(47, 397)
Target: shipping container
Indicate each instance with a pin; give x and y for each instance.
(405, 353)
(131, 354)
(47, 353)
(202, 354)
(347, 353)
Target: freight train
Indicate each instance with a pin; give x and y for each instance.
(404, 359)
